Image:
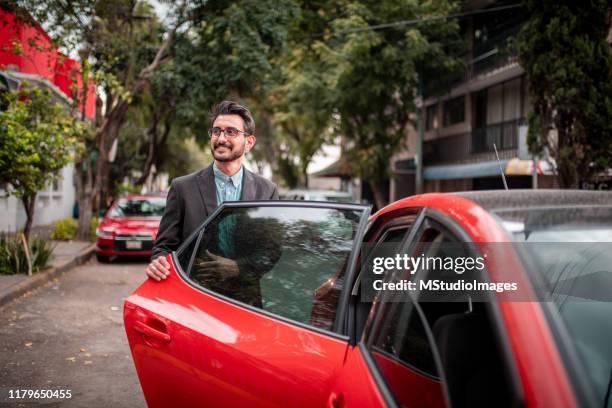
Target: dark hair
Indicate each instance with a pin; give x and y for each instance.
(233, 108)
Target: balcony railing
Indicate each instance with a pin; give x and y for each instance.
(474, 146)
(497, 52)
(504, 135)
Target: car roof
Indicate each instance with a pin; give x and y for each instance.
(497, 200)
(139, 196)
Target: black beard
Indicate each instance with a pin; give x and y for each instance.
(234, 154)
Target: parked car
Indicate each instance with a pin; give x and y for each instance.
(129, 227)
(317, 195)
(291, 328)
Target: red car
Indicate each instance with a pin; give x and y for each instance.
(129, 227)
(265, 306)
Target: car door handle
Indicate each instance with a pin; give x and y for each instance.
(335, 400)
(148, 331)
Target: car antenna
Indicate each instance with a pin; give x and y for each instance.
(500, 167)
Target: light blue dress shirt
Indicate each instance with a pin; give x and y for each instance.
(228, 188)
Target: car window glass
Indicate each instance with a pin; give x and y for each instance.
(290, 261)
(153, 207)
(402, 337)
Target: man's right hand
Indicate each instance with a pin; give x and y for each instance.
(158, 269)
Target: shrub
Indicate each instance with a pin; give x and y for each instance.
(13, 259)
(40, 251)
(93, 226)
(65, 229)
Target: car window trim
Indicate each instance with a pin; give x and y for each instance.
(274, 203)
(416, 225)
(378, 241)
(341, 319)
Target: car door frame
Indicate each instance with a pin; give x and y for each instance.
(339, 329)
(333, 336)
(500, 330)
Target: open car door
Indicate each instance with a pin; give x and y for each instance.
(253, 311)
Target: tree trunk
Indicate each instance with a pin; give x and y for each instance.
(28, 204)
(305, 176)
(83, 180)
(379, 199)
(28, 201)
(89, 181)
(156, 145)
(26, 249)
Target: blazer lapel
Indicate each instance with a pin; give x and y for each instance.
(208, 189)
(248, 186)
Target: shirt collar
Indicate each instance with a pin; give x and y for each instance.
(236, 178)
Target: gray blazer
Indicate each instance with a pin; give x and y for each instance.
(192, 198)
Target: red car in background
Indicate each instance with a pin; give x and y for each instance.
(129, 227)
(292, 327)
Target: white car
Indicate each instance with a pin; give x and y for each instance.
(318, 195)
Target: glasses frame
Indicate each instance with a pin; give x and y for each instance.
(223, 130)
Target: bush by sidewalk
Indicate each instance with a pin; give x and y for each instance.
(64, 229)
(93, 226)
(12, 255)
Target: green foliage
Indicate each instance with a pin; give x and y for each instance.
(568, 62)
(13, 258)
(38, 138)
(93, 226)
(365, 80)
(126, 188)
(64, 229)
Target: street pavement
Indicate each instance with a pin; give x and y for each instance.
(69, 335)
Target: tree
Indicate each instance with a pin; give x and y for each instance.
(374, 74)
(295, 113)
(302, 105)
(38, 138)
(568, 62)
(124, 45)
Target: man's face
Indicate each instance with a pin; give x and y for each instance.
(226, 149)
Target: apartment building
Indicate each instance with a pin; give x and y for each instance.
(470, 114)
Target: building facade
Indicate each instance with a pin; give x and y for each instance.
(467, 116)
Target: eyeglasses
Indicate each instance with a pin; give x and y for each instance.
(230, 132)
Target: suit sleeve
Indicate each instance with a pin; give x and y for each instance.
(274, 195)
(171, 225)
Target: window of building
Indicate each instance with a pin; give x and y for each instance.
(289, 261)
(430, 117)
(454, 111)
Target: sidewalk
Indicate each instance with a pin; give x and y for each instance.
(66, 256)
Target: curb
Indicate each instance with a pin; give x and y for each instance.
(45, 276)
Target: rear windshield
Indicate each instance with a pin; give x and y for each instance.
(571, 250)
(150, 207)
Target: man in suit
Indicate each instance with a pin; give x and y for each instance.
(192, 198)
